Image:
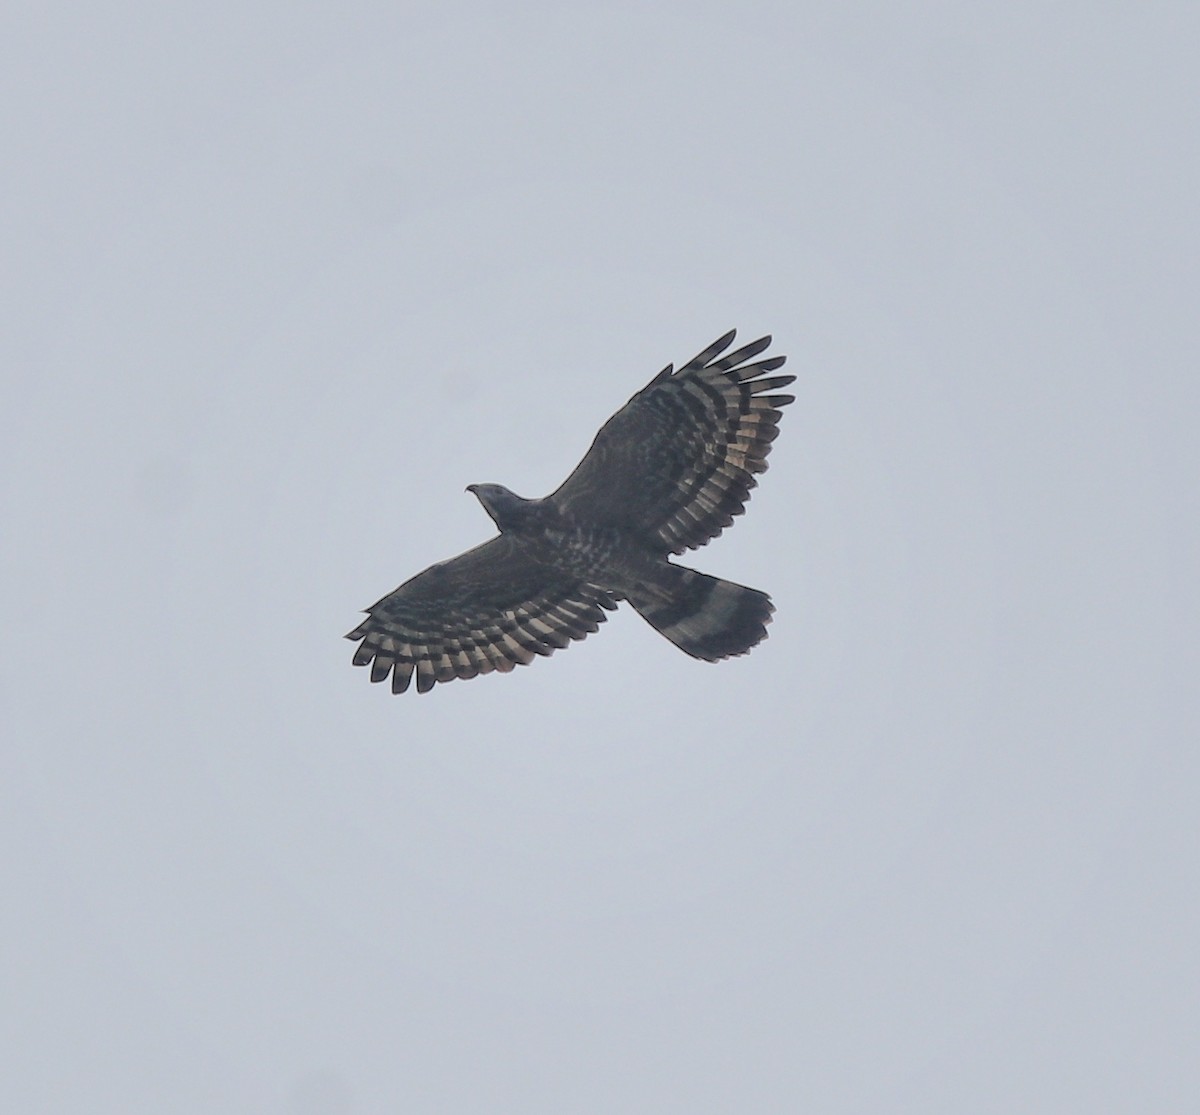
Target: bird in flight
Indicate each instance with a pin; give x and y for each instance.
(668, 472)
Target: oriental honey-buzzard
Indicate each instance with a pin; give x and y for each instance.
(668, 472)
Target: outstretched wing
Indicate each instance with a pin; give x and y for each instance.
(677, 462)
(492, 608)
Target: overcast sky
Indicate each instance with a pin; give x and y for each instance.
(280, 280)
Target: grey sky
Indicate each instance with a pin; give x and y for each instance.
(280, 281)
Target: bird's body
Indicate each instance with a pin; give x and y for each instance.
(667, 472)
(604, 553)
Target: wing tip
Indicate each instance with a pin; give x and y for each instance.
(711, 352)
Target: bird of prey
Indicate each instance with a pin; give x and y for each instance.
(668, 472)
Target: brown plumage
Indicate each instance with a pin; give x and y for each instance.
(668, 472)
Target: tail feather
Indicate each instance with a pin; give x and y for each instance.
(704, 616)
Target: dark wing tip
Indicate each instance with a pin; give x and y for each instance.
(715, 349)
(746, 352)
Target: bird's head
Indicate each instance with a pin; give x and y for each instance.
(505, 507)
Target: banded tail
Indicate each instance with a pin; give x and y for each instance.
(704, 616)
